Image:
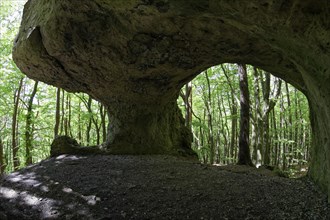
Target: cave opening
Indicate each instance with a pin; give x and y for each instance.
(136, 59)
(280, 130)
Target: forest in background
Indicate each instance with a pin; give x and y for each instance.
(280, 133)
(32, 113)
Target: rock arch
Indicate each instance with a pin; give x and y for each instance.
(135, 55)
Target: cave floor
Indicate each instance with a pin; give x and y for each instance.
(154, 187)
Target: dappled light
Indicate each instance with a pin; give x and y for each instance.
(280, 132)
(37, 191)
(150, 187)
(65, 157)
(139, 121)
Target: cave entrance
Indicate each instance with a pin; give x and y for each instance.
(280, 131)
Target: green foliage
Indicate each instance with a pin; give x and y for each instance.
(289, 139)
(289, 142)
(44, 104)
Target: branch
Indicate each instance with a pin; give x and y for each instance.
(230, 85)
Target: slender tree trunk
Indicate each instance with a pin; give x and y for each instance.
(244, 157)
(265, 118)
(188, 103)
(203, 137)
(297, 144)
(234, 113)
(209, 119)
(2, 159)
(187, 99)
(224, 125)
(103, 122)
(225, 129)
(302, 131)
(257, 145)
(8, 153)
(289, 126)
(57, 112)
(63, 112)
(17, 96)
(282, 132)
(219, 152)
(234, 133)
(89, 125)
(69, 115)
(66, 116)
(79, 124)
(29, 127)
(98, 132)
(276, 137)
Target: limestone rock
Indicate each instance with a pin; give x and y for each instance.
(67, 145)
(135, 55)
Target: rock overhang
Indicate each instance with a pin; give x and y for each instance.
(135, 55)
(98, 44)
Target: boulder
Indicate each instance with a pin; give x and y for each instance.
(67, 145)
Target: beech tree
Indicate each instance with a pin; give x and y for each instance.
(14, 128)
(29, 126)
(244, 157)
(2, 159)
(57, 112)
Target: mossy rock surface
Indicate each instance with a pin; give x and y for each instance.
(67, 145)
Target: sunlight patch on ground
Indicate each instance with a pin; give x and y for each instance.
(28, 179)
(46, 206)
(30, 200)
(8, 193)
(69, 157)
(91, 199)
(65, 158)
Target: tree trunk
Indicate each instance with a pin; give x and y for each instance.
(57, 112)
(63, 112)
(29, 127)
(103, 114)
(2, 159)
(297, 144)
(265, 118)
(244, 157)
(68, 104)
(282, 134)
(89, 125)
(257, 141)
(276, 137)
(66, 116)
(225, 133)
(234, 117)
(17, 96)
(188, 103)
(289, 126)
(202, 142)
(208, 104)
(80, 138)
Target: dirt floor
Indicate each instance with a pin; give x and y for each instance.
(154, 187)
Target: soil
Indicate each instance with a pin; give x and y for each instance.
(154, 187)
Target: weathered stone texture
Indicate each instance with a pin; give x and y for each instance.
(135, 55)
(67, 145)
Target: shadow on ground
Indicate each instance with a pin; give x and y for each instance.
(153, 187)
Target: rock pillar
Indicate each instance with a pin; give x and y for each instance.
(147, 129)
